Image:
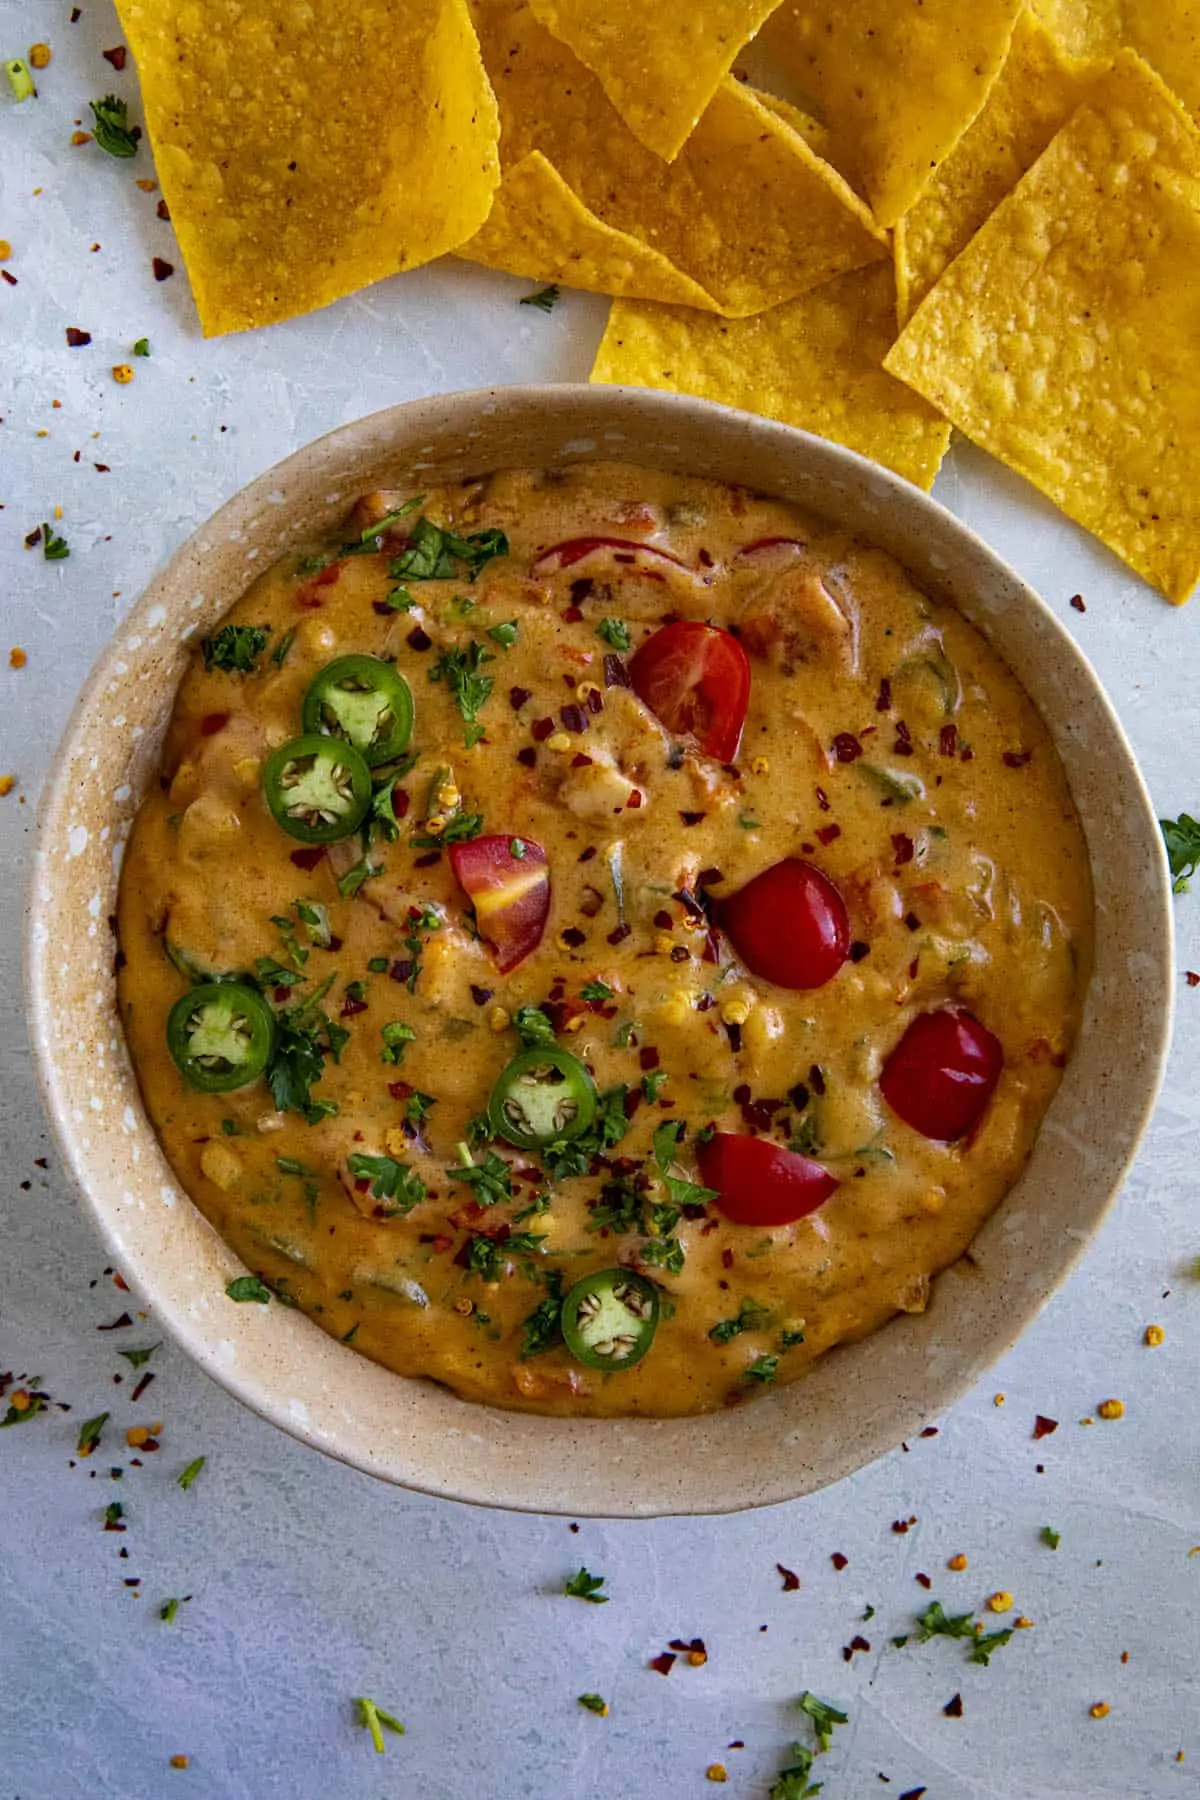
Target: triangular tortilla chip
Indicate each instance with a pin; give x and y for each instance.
(815, 362)
(897, 82)
(307, 151)
(1063, 338)
(1165, 32)
(1036, 92)
(746, 210)
(537, 227)
(661, 64)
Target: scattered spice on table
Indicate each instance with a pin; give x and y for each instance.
(1042, 1426)
(791, 1581)
(594, 1703)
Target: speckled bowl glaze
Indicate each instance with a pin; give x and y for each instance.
(862, 1399)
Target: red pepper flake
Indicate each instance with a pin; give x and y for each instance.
(948, 740)
(419, 639)
(117, 57)
(924, 1580)
(634, 800)
(914, 1793)
(581, 761)
(595, 700)
(76, 15)
(692, 818)
(822, 799)
(570, 615)
(119, 1281)
(884, 702)
(727, 1259)
(900, 1526)
(351, 1007)
(664, 1663)
(517, 696)
(791, 1581)
(163, 211)
(1077, 601)
(1042, 1426)
(1193, 980)
(307, 859)
(77, 339)
(620, 933)
(527, 757)
(1017, 759)
(902, 848)
(929, 1431)
(846, 747)
(828, 833)
(117, 1324)
(9, 277)
(856, 1643)
(953, 1708)
(615, 672)
(102, 468)
(211, 723)
(903, 745)
(574, 937)
(427, 861)
(163, 270)
(839, 1561)
(541, 729)
(587, 855)
(966, 756)
(693, 1648)
(574, 719)
(481, 995)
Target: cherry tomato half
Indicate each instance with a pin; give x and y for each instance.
(508, 880)
(789, 925)
(696, 679)
(942, 1073)
(760, 1183)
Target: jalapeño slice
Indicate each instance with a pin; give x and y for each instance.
(318, 788)
(542, 1097)
(609, 1319)
(365, 701)
(221, 1035)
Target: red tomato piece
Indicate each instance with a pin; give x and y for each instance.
(942, 1073)
(510, 894)
(696, 679)
(622, 550)
(789, 925)
(760, 1183)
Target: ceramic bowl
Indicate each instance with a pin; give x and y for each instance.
(862, 1399)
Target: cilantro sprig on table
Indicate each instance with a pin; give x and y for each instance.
(1182, 838)
(110, 126)
(583, 1586)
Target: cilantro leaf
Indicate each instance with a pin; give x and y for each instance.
(486, 1256)
(382, 817)
(505, 635)
(168, 1610)
(823, 1716)
(764, 1369)
(750, 1315)
(619, 1208)
(1182, 838)
(574, 1157)
(352, 880)
(594, 1702)
(89, 1434)
(541, 1329)
(587, 1587)
(249, 1287)
(302, 1033)
(136, 1358)
(533, 1027)
(682, 1191)
(596, 990)
(546, 299)
(936, 1622)
(1051, 1537)
(792, 1783)
(280, 653)
(186, 1477)
(372, 533)
(142, 347)
(459, 669)
(984, 1648)
(54, 548)
(490, 1181)
(235, 648)
(653, 1084)
(614, 632)
(460, 829)
(666, 1253)
(392, 1182)
(433, 553)
(110, 126)
(397, 1036)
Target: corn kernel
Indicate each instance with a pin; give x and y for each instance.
(585, 690)
(1101, 1709)
(395, 1142)
(559, 741)
(7, 784)
(5, 249)
(20, 1400)
(1000, 1602)
(81, 137)
(179, 1762)
(1154, 1335)
(997, 1399)
(759, 765)
(664, 943)
(736, 1010)
(1111, 1409)
(122, 373)
(136, 1436)
(958, 1563)
(39, 56)
(697, 1658)
(717, 1772)
(1022, 1623)
(575, 1024)
(436, 824)
(499, 1018)
(448, 796)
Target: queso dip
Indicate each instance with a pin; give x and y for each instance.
(600, 938)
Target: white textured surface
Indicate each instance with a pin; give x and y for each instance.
(312, 1584)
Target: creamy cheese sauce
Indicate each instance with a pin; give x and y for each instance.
(885, 743)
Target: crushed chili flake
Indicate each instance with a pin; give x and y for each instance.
(1017, 759)
(1042, 1426)
(517, 696)
(903, 848)
(953, 1708)
(663, 1664)
(858, 1643)
(839, 1561)
(117, 56)
(118, 1324)
(846, 747)
(791, 1581)
(419, 639)
(541, 729)
(948, 740)
(620, 933)
(9, 277)
(692, 818)
(1193, 979)
(163, 270)
(1078, 602)
(884, 702)
(828, 833)
(527, 757)
(928, 1431)
(307, 859)
(77, 339)
(914, 1793)
(924, 1580)
(574, 719)
(212, 723)
(900, 1526)
(17, 658)
(903, 745)
(163, 211)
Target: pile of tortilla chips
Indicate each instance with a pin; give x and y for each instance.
(971, 213)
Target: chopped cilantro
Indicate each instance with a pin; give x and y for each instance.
(231, 1128)
(271, 972)
(114, 1512)
(373, 1718)
(138, 1358)
(748, 822)
(653, 1084)
(564, 1159)
(427, 918)
(1182, 839)
(490, 1181)
(619, 1208)
(594, 1703)
(90, 1432)
(595, 990)
(168, 1610)
(984, 1648)
(288, 1165)
(186, 1476)
(789, 1337)
(1051, 1537)
(433, 553)
(614, 632)
(397, 1036)
(280, 653)
(459, 669)
(54, 548)
(792, 1783)
(823, 1716)
(750, 1315)
(665, 1253)
(682, 1191)
(314, 916)
(533, 1027)
(899, 789)
(486, 1256)
(352, 880)
(546, 299)
(460, 829)
(110, 126)
(587, 1587)
(355, 990)
(17, 1415)
(249, 1287)
(378, 965)
(418, 1107)
(382, 819)
(505, 635)
(764, 1369)
(936, 1622)
(142, 347)
(541, 1329)
(392, 1182)
(399, 599)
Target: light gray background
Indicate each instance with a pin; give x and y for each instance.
(312, 1584)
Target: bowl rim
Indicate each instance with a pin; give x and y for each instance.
(260, 1396)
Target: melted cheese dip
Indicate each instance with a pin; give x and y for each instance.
(884, 742)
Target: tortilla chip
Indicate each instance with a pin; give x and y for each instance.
(1165, 32)
(815, 135)
(306, 151)
(1035, 94)
(896, 81)
(1063, 338)
(538, 228)
(816, 363)
(746, 211)
(660, 65)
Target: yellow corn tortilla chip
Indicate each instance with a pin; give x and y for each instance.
(815, 135)
(815, 362)
(1165, 32)
(306, 151)
(1035, 93)
(897, 82)
(537, 227)
(1063, 338)
(746, 210)
(659, 64)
